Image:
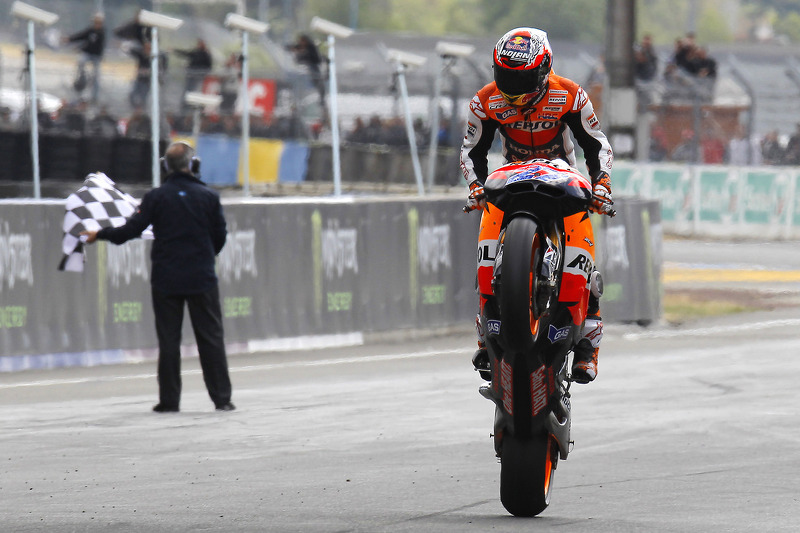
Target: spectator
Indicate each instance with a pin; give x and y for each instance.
(701, 65)
(231, 79)
(687, 150)
(359, 133)
(792, 153)
(394, 132)
(141, 85)
(741, 151)
(713, 148)
(658, 144)
(306, 54)
(646, 61)
(138, 125)
(6, 119)
(199, 65)
(683, 50)
(93, 40)
(771, 149)
(375, 129)
(102, 124)
(72, 118)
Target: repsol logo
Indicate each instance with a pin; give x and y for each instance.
(535, 125)
(582, 262)
(486, 252)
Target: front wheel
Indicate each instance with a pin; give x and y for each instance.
(526, 473)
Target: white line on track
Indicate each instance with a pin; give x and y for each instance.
(249, 368)
(702, 332)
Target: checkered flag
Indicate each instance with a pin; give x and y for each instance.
(97, 204)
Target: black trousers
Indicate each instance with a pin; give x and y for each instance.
(206, 316)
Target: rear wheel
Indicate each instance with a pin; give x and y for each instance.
(521, 254)
(526, 473)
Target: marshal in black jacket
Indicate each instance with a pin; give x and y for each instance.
(189, 228)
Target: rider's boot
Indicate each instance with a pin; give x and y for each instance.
(584, 362)
(480, 359)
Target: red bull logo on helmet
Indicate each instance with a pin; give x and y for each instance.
(518, 43)
(521, 48)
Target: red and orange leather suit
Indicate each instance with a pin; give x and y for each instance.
(541, 130)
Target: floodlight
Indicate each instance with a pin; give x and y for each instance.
(202, 99)
(239, 22)
(406, 58)
(28, 12)
(157, 20)
(448, 49)
(331, 28)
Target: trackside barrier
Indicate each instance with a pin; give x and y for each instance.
(295, 272)
(717, 201)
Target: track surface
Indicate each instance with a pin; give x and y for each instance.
(686, 429)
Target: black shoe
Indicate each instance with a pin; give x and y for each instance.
(161, 408)
(226, 407)
(480, 360)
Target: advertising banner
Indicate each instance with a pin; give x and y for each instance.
(292, 268)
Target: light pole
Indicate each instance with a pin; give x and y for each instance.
(333, 30)
(33, 15)
(246, 26)
(155, 21)
(448, 53)
(402, 61)
(198, 101)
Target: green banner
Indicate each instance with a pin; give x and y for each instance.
(762, 198)
(717, 195)
(672, 187)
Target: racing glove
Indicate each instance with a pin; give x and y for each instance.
(477, 197)
(601, 194)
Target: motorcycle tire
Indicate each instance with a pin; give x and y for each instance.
(521, 255)
(526, 473)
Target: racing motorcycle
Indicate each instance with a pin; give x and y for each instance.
(530, 333)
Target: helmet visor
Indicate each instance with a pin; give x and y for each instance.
(520, 82)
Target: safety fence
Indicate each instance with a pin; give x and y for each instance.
(715, 200)
(294, 273)
(68, 157)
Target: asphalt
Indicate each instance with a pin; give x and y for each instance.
(688, 428)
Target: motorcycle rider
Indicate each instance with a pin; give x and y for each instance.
(535, 110)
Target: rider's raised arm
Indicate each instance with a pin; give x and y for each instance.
(477, 141)
(585, 126)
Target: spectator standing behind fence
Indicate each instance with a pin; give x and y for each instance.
(141, 84)
(742, 151)
(772, 149)
(198, 66)
(229, 85)
(792, 154)
(306, 54)
(190, 230)
(92, 44)
(645, 60)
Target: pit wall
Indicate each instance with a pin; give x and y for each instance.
(295, 273)
(717, 201)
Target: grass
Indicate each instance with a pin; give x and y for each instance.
(682, 306)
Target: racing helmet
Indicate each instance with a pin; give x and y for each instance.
(522, 63)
